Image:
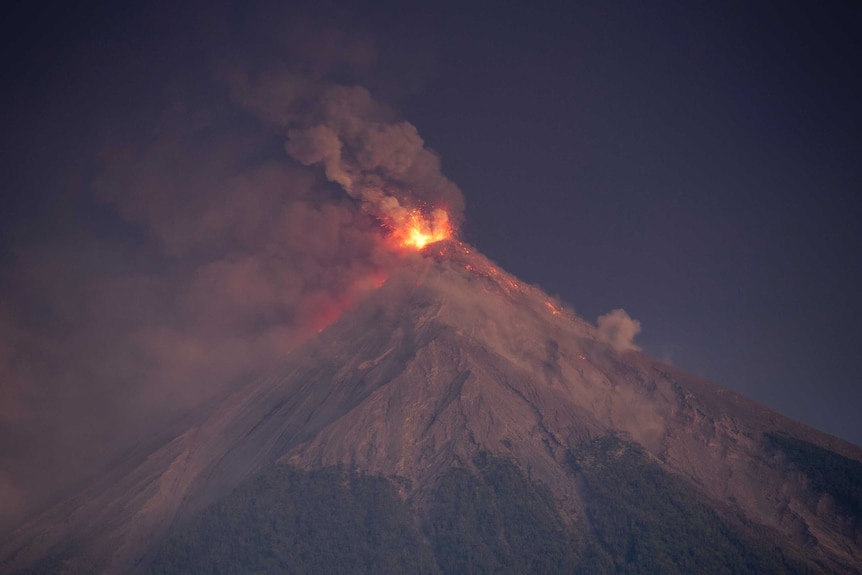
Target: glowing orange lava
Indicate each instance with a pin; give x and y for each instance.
(416, 230)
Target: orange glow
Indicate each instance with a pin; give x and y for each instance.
(417, 230)
(553, 308)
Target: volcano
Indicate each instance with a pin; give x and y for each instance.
(458, 420)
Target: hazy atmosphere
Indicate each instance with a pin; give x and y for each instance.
(192, 190)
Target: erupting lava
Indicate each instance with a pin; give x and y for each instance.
(416, 230)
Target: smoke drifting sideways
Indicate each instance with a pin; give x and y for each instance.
(214, 236)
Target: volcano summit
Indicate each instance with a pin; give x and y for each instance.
(457, 420)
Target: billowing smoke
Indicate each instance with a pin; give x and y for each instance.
(619, 330)
(204, 241)
(377, 159)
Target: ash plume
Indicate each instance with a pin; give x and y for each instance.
(198, 240)
(361, 145)
(618, 329)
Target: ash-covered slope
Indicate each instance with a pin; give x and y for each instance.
(450, 360)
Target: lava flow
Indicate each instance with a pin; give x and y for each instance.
(416, 230)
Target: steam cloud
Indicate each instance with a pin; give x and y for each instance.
(619, 330)
(205, 254)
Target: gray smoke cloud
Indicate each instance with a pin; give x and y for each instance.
(619, 330)
(208, 238)
(377, 159)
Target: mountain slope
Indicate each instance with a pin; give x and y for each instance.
(451, 359)
(492, 519)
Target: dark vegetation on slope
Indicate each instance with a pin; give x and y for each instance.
(495, 520)
(292, 521)
(53, 562)
(498, 521)
(651, 522)
(827, 472)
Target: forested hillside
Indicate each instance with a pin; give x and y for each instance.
(485, 518)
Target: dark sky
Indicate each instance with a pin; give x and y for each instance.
(696, 163)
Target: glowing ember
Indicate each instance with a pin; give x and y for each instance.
(417, 230)
(553, 308)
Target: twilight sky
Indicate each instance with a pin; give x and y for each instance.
(697, 164)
